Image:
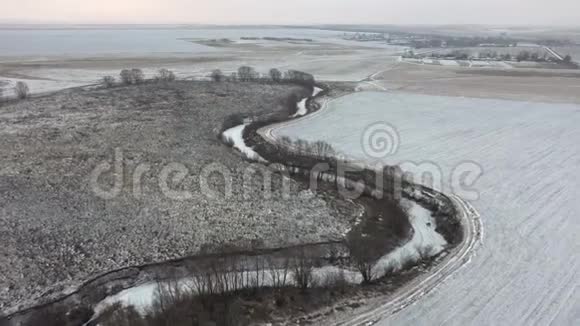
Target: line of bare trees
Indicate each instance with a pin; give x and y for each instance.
(304, 147)
(136, 76)
(495, 56)
(211, 294)
(247, 73)
(216, 287)
(243, 74)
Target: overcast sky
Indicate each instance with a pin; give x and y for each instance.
(516, 12)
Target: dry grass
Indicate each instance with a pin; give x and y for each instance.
(55, 232)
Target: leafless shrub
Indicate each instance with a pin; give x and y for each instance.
(168, 294)
(165, 75)
(217, 75)
(364, 254)
(259, 271)
(126, 77)
(132, 77)
(246, 73)
(108, 81)
(303, 266)
(138, 76)
(321, 148)
(275, 75)
(318, 148)
(21, 89)
(278, 273)
(301, 146)
(333, 253)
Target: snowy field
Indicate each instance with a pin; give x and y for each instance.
(527, 270)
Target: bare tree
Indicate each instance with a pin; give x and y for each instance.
(126, 77)
(275, 75)
(303, 269)
(217, 75)
(364, 254)
(21, 89)
(246, 73)
(108, 81)
(133, 76)
(138, 76)
(523, 56)
(279, 274)
(165, 75)
(322, 149)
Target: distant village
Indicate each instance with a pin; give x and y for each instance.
(538, 52)
(438, 41)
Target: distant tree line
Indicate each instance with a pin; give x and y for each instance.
(248, 74)
(136, 76)
(304, 147)
(243, 74)
(493, 55)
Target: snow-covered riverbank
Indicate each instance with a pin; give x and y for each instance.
(235, 135)
(426, 242)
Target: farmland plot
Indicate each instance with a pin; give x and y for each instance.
(526, 272)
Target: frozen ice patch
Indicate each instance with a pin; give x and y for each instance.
(235, 135)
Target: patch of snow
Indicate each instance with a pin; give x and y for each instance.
(316, 91)
(142, 297)
(444, 62)
(235, 134)
(301, 108)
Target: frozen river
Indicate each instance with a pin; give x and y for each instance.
(527, 270)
